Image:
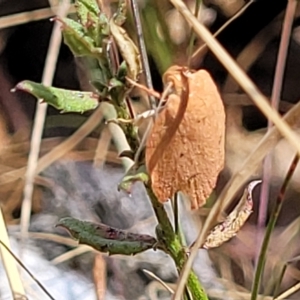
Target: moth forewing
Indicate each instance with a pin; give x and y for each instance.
(185, 149)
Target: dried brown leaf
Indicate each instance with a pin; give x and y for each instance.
(235, 220)
(185, 149)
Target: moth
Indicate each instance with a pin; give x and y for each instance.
(185, 148)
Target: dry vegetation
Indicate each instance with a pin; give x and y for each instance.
(50, 163)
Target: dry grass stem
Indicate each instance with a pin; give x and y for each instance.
(102, 147)
(39, 120)
(9, 263)
(275, 98)
(200, 51)
(164, 284)
(30, 16)
(79, 250)
(99, 273)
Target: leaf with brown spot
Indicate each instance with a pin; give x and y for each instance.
(185, 149)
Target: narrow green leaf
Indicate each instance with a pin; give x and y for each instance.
(65, 100)
(107, 239)
(76, 38)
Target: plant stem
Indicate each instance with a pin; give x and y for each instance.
(172, 245)
(270, 227)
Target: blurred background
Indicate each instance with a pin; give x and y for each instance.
(82, 182)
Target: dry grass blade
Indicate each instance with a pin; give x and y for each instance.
(270, 227)
(39, 120)
(17, 296)
(258, 98)
(99, 273)
(102, 147)
(11, 270)
(29, 16)
(200, 51)
(50, 237)
(275, 98)
(289, 292)
(165, 285)
(71, 254)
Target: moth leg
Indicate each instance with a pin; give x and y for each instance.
(120, 121)
(139, 119)
(144, 88)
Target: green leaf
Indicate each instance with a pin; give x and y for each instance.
(107, 239)
(133, 176)
(61, 99)
(120, 16)
(77, 39)
(91, 18)
(87, 6)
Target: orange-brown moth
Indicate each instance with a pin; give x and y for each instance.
(185, 148)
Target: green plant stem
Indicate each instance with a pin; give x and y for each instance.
(193, 35)
(172, 245)
(165, 233)
(270, 227)
(161, 49)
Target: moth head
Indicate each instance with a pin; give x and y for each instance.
(177, 76)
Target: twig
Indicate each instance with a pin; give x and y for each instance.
(142, 48)
(71, 254)
(99, 274)
(11, 270)
(275, 98)
(102, 148)
(253, 50)
(30, 16)
(201, 49)
(39, 120)
(165, 285)
(289, 292)
(28, 272)
(270, 227)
